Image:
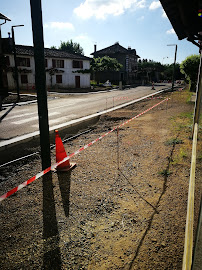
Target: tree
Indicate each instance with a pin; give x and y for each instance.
(189, 67)
(149, 70)
(105, 63)
(71, 47)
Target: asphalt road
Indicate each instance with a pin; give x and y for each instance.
(65, 107)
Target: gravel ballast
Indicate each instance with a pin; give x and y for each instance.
(122, 207)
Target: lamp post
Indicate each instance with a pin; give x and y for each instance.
(174, 64)
(15, 60)
(3, 90)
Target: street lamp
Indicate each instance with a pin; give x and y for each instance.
(174, 64)
(15, 60)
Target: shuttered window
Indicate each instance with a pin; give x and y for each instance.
(77, 64)
(23, 62)
(58, 63)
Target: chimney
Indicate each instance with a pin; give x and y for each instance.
(129, 48)
(95, 48)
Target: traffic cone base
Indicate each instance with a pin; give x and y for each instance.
(67, 168)
(61, 155)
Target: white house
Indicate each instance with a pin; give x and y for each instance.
(63, 69)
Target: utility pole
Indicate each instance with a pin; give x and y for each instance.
(40, 81)
(15, 61)
(3, 92)
(173, 80)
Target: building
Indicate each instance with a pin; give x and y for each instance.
(127, 57)
(63, 69)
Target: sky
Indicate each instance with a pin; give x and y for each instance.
(140, 24)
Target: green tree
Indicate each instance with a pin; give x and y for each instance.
(148, 68)
(168, 72)
(105, 63)
(71, 47)
(189, 67)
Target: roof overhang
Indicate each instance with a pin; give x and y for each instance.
(3, 17)
(184, 17)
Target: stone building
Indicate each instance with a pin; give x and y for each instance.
(127, 57)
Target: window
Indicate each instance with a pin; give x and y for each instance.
(77, 64)
(58, 63)
(23, 62)
(46, 62)
(24, 79)
(58, 78)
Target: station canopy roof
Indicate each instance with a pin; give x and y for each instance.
(185, 17)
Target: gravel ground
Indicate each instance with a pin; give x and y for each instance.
(122, 207)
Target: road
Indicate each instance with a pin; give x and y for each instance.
(63, 108)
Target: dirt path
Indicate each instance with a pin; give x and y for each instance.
(102, 217)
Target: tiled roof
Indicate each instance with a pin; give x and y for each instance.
(116, 48)
(53, 53)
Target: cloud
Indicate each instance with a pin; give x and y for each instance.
(59, 25)
(155, 5)
(102, 9)
(164, 14)
(170, 32)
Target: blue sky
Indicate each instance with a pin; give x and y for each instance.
(140, 24)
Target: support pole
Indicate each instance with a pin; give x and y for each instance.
(198, 96)
(16, 68)
(174, 68)
(118, 147)
(40, 81)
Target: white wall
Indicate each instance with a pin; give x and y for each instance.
(68, 77)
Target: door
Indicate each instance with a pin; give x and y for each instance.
(77, 81)
(5, 80)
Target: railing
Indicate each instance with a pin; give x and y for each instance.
(188, 244)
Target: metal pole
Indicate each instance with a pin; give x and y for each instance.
(40, 81)
(15, 61)
(174, 67)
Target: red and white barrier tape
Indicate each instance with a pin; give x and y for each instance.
(53, 167)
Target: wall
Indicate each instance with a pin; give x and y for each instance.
(68, 78)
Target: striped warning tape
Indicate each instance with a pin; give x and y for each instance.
(53, 167)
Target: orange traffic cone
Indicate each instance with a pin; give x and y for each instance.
(61, 154)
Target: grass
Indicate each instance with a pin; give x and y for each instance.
(183, 153)
(199, 156)
(174, 141)
(189, 95)
(165, 172)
